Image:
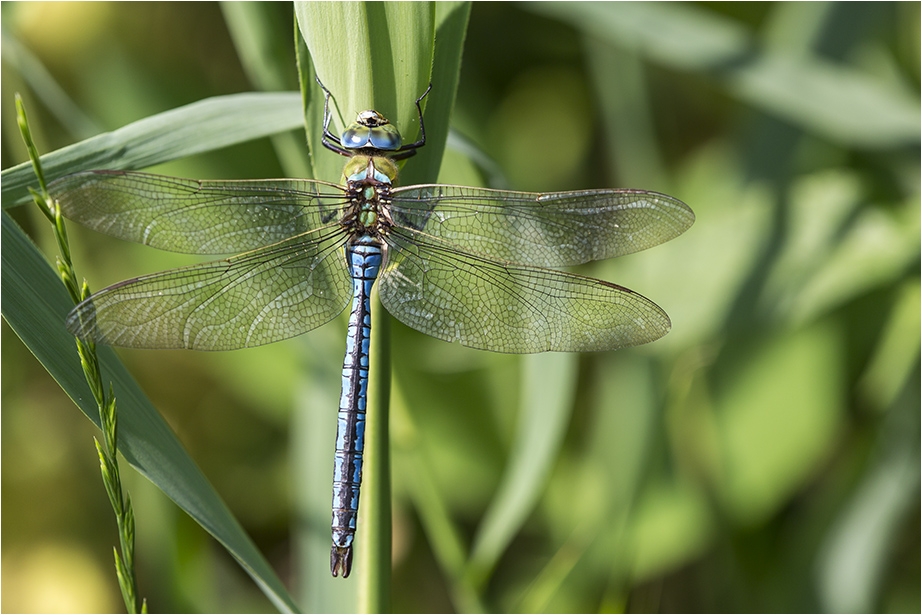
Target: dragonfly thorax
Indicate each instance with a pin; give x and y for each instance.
(370, 170)
(371, 130)
(368, 186)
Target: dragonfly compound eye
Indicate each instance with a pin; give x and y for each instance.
(384, 136)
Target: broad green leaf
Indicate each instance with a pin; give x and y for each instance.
(396, 51)
(262, 37)
(853, 562)
(548, 386)
(450, 29)
(443, 535)
(836, 249)
(833, 100)
(371, 55)
(777, 419)
(196, 128)
(35, 304)
(263, 44)
(368, 56)
(672, 523)
(46, 88)
(378, 56)
(897, 350)
(605, 478)
(619, 78)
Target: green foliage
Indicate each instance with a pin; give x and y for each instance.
(761, 457)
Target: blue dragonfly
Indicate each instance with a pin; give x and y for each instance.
(468, 265)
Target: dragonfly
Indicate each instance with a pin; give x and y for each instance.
(475, 266)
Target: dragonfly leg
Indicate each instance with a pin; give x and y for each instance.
(408, 150)
(329, 140)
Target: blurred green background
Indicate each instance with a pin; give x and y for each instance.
(764, 456)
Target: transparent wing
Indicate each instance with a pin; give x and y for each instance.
(196, 217)
(464, 298)
(263, 296)
(547, 230)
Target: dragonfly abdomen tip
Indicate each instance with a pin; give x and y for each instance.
(341, 561)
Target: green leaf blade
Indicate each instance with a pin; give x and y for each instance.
(196, 128)
(35, 304)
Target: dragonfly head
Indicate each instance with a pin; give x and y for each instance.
(371, 130)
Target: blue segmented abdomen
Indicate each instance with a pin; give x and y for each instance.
(364, 257)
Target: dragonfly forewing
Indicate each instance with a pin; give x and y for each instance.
(259, 297)
(504, 307)
(546, 230)
(197, 216)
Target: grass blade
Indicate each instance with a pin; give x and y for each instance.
(548, 386)
(35, 304)
(196, 128)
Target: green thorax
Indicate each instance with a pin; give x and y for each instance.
(370, 170)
